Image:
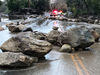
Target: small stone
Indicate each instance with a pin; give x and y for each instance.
(73, 50)
(66, 48)
(55, 28)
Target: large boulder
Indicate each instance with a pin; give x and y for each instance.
(9, 59)
(79, 36)
(27, 45)
(1, 28)
(52, 36)
(16, 28)
(35, 35)
(39, 35)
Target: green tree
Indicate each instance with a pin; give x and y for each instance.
(0, 3)
(16, 5)
(41, 5)
(84, 6)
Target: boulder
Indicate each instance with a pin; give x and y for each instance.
(61, 18)
(52, 36)
(21, 27)
(95, 35)
(91, 21)
(46, 17)
(8, 24)
(1, 28)
(98, 31)
(27, 45)
(79, 36)
(32, 16)
(96, 21)
(66, 48)
(15, 28)
(35, 35)
(55, 28)
(39, 35)
(10, 59)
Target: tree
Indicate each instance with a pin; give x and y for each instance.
(41, 5)
(84, 6)
(0, 3)
(16, 5)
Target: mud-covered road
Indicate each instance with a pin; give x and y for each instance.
(56, 63)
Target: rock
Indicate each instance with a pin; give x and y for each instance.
(1, 28)
(9, 59)
(39, 35)
(83, 19)
(66, 48)
(21, 27)
(96, 21)
(27, 45)
(98, 31)
(35, 35)
(14, 28)
(55, 28)
(69, 19)
(8, 24)
(32, 16)
(95, 35)
(61, 19)
(52, 36)
(79, 36)
(17, 23)
(57, 18)
(73, 50)
(90, 18)
(75, 20)
(91, 21)
(46, 17)
(25, 29)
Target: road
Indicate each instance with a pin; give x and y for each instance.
(57, 63)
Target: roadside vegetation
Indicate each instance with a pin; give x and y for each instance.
(83, 7)
(16, 5)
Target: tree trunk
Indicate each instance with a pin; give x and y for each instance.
(86, 5)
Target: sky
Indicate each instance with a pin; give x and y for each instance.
(2, 0)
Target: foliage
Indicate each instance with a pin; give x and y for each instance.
(80, 7)
(16, 5)
(41, 4)
(0, 3)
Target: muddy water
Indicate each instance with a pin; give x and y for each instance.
(57, 63)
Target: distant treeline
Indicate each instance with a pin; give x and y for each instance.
(17, 5)
(80, 7)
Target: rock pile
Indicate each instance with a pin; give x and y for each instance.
(18, 27)
(28, 45)
(76, 37)
(79, 36)
(52, 36)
